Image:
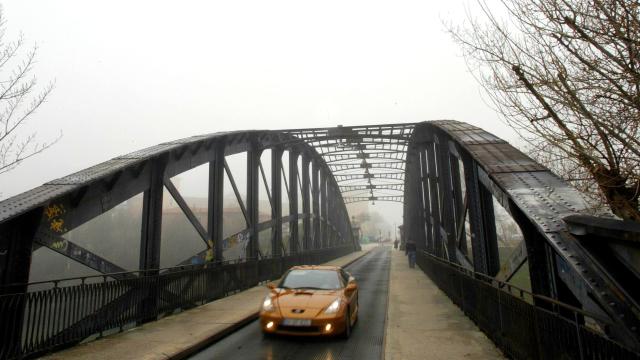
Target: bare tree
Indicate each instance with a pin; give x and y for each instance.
(565, 75)
(19, 100)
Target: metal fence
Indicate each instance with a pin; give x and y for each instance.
(523, 325)
(57, 314)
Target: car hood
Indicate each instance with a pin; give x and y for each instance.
(306, 299)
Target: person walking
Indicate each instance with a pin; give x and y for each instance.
(395, 244)
(411, 253)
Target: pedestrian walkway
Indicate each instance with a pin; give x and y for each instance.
(180, 335)
(423, 323)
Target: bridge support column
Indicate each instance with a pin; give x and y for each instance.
(293, 202)
(424, 177)
(414, 210)
(323, 208)
(331, 213)
(541, 261)
(253, 191)
(482, 222)
(151, 237)
(216, 204)
(459, 201)
(306, 204)
(434, 190)
(315, 194)
(16, 244)
(276, 198)
(446, 193)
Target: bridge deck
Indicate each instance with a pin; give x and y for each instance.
(179, 335)
(422, 320)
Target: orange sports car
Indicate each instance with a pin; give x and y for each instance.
(311, 300)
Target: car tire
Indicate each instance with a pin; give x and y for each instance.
(347, 319)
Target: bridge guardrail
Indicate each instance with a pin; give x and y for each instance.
(549, 330)
(60, 316)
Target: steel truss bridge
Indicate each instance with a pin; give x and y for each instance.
(449, 176)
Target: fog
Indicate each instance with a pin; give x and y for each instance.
(133, 74)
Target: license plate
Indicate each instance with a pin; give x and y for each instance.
(296, 322)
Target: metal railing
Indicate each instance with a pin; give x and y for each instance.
(523, 325)
(59, 313)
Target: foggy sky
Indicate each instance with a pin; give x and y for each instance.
(131, 74)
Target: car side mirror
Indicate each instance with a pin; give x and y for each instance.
(351, 287)
(271, 286)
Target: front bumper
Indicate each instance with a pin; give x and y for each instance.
(318, 326)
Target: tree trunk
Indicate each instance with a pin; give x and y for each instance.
(622, 199)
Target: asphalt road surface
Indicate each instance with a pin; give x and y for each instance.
(366, 341)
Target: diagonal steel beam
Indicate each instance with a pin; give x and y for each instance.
(77, 253)
(186, 209)
(266, 184)
(236, 192)
(286, 183)
(513, 263)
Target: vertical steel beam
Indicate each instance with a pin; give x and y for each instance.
(276, 195)
(152, 217)
(540, 259)
(16, 244)
(315, 196)
(448, 228)
(330, 214)
(406, 205)
(414, 223)
(151, 233)
(323, 208)
(293, 202)
(481, 221)
(424, 176)
(306, 204)
(458, 203)
(216, 201)
(433, 175)
(253, 192)
(490, 234)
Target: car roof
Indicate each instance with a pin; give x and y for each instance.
(316, 267)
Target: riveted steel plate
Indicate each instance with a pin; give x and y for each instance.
(31, 199)
(478, 136)
(150, 151)
(502, 157)
(192, 139)
(543, 197)
(95, 172)
(453, 125)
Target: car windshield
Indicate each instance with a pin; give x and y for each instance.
(311, 279)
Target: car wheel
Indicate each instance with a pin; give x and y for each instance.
(347, 328)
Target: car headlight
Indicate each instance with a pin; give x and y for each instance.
(267, 304)
(333, 307)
